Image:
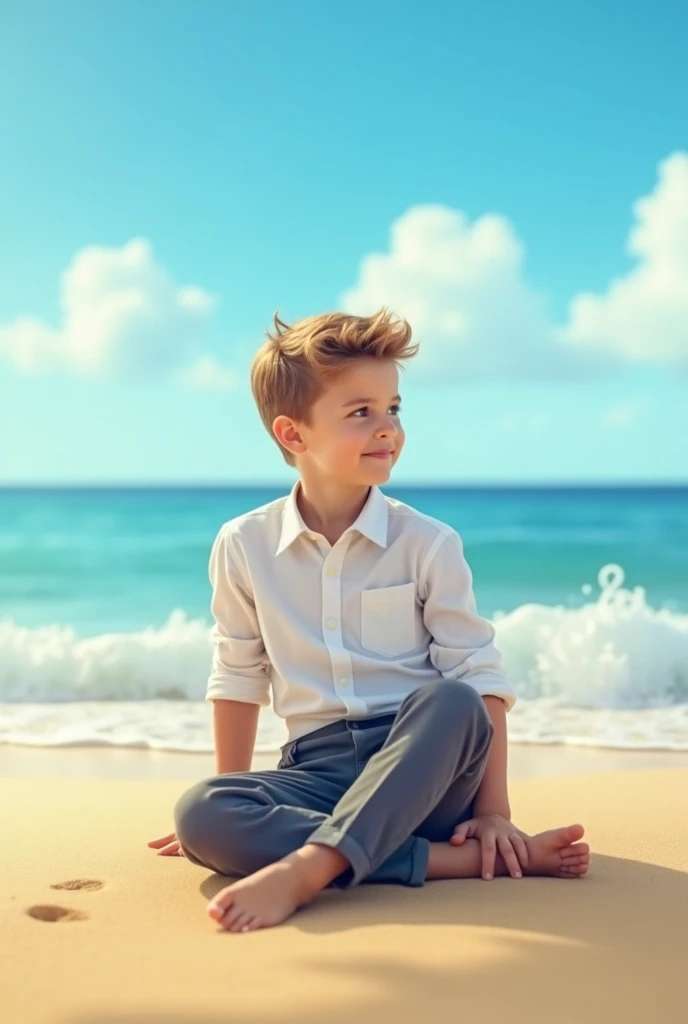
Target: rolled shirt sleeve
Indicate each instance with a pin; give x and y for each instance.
(239, 657)
(462, 644)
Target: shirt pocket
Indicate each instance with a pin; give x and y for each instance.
(388, 619)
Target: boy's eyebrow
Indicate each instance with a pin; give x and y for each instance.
(366, 401)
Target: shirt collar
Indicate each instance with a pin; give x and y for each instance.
(371, 522)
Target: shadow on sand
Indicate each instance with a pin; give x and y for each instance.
(605, 949)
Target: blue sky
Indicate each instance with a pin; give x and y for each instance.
(512, 178)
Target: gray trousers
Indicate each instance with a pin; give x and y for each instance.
(378, 789)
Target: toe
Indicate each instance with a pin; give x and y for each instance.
(561, 838)
(239, 921)
(231, 917)
(219, 906)
(573, 853)
(573, 862)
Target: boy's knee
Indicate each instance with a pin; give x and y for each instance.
(455, 695)
(191, 815)
(213, 832)
(199, 820)
(457, 702)
(474, 701)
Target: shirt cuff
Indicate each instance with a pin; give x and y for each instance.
(250, 691)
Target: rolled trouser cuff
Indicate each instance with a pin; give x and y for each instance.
(327, 835)
(419, 862)
(407, 866)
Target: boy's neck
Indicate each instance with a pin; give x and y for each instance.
(330, 507)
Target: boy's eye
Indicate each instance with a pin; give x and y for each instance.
(364, 408)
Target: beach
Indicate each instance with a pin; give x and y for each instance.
(218, 511)
(105, 647)
(97, 928)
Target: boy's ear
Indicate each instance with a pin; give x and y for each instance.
(286, 432)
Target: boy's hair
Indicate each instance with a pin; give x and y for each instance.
(292, 368)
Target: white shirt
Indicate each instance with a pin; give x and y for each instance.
(344, 630)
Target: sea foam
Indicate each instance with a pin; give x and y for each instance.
(613, 672)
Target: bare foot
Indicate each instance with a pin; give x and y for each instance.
(265, 898)
(557, 853)
(271, 895)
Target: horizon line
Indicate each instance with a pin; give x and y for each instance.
(425, 485)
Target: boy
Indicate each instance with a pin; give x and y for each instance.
(357, 611)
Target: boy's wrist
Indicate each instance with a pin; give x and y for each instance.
(482, 810)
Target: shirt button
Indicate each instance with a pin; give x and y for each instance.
(331, 571)
(344, 682)
(331, 623)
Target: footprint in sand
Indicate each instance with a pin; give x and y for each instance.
(48, 912)
(51, 912)
(87, 884)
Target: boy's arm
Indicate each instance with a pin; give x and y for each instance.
(238, 685)
(493, 794)
(462, 647)
(235, 725)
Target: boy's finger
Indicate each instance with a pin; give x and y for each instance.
(520, 848)
(509, 857)
(489, 849)
(162, 842)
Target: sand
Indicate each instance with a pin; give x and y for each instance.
(525, 761)
(96, 928)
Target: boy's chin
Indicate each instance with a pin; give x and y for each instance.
(376, 467)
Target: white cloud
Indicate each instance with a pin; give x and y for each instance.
(643, 316)
(463, 289)
(462, 286)
(122, 316)
(209, 375)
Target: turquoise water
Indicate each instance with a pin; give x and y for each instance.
(103, 560)
(104, 596)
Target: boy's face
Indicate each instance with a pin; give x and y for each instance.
(358, 414)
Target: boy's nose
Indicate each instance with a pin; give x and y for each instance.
(386, 429)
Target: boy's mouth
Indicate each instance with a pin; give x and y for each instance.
(383, 453)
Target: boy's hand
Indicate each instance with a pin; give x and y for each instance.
(495, 833)
(168, 846)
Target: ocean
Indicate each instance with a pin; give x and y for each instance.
(105, 620)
